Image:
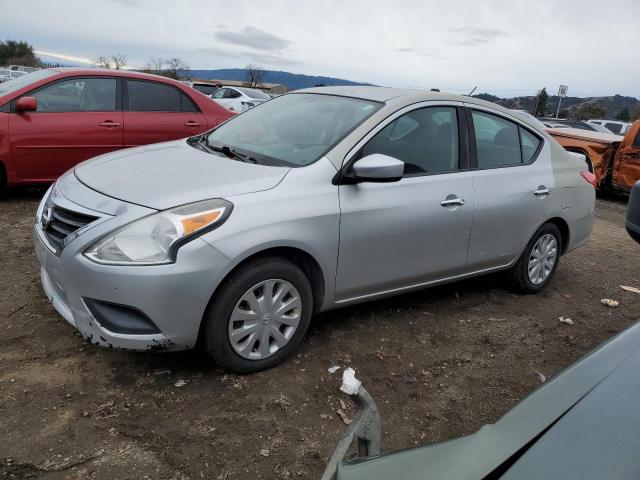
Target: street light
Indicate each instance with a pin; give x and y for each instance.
(562, 93)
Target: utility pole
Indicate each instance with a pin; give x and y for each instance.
(535, 109)
(562, 93)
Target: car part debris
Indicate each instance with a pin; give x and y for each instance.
(181, 383)
(364, 430)
(334, 369)
(630, 289)
(609, 303)
(567, 320)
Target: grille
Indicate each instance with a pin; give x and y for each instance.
(58, 223)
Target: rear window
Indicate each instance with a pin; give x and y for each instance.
(614, 127)
(152, 97)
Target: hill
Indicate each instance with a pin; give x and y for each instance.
(611, 106)
(292, 80)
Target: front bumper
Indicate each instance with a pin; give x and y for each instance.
(173, 296)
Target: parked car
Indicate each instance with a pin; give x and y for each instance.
(581, 425)
(633, 213)
(314, 200)
(615, 126)
(615, 160)
(239, 99)
(53, 119)
(7, 74)
(206, 88)
(577, 124)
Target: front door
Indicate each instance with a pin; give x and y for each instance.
(626, 166)
(76, 119)
(416, 230)
(157, 112)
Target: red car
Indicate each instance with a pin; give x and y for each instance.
(52, 119)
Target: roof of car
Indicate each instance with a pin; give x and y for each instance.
(111, 72)
(383, 94)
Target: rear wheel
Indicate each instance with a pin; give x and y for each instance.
(539, 261)
(259, 315)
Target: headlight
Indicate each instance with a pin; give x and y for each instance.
(155, 239)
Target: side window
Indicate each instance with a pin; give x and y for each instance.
(232, 94)
(530, 144)
(220, 93)
(426, 140)
(152, 97)
(78, 95)
(614, 127)
(187, 104)
(497, 141)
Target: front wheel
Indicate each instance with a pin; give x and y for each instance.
(259, 315)
(539, 261)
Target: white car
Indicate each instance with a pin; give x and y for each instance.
(239, 99)
(616, 126)
(7, 74)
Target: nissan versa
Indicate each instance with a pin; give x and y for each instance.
(317, 199)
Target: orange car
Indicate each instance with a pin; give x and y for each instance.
(615, 160)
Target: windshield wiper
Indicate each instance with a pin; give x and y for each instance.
(230, 152)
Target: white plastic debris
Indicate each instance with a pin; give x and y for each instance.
(181, 383)
(334, 369)
(630, 289)
(609, 303)
(350, 384)
(567, 320)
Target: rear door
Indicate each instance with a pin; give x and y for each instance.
(158, 112)
(513, 183)
(76, 119)
(626, 167)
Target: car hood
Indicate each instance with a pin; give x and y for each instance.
(585, 135)
(165, 175)
(563, 424)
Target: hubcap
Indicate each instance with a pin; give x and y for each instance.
(542, 258)
(265, 318)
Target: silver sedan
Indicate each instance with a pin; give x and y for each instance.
(314, 200)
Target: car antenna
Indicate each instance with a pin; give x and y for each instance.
(471, 92)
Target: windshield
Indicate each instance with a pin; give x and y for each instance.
(24, 80)
(253, 93)
(294, 130)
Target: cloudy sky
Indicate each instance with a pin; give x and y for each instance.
(506, 47)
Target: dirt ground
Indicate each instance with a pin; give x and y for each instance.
(440, 363)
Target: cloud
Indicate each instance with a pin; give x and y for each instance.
(422, 53)
(253, 38)
(469, 36)
(127, 3)
(248, 55)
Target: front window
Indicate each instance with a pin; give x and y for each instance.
(25, 80)
(253, 93)
(78, 95)
(294, 130)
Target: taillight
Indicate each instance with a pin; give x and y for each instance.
(589, 177)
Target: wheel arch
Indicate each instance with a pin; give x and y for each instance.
(563, 226)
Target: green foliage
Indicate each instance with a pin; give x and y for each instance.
(587, 112)
(13, 52)
(542, 99)
(624, 115)
(564, 113)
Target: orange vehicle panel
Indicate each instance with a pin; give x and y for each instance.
(626, 166)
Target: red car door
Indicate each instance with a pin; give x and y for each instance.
(158, 112)
(76, 119)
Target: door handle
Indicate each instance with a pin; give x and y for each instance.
(542, 191)
(109, 124)
(191, 123)
(452, 202)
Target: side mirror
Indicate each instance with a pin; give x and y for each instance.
(377, 168)
(27, 104)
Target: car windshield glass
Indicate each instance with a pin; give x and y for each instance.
(294, 130)
(24, 80)
(253, 93)
(599, 128)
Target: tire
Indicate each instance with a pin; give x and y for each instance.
(252, 281)
(522, 280)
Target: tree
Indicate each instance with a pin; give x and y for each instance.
(254, 76)
(587, 112)
(13, 52)
(541, 103)
(564, 113)
(117, 61)
(624, 115)
(635, 114)
(155, 65)
(176, 68)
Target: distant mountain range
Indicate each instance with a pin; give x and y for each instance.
(612, 105)
(292, 80)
